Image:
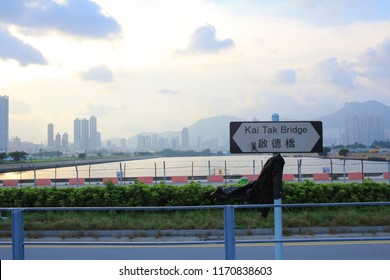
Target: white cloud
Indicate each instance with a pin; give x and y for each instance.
(204, 40)
(166, 91)
(331, 12)
(77, 17)
(376, 61)
(13, 48)
(287, 76)
(19, 107)
(98, 74)
(97, 109)
(334, 72)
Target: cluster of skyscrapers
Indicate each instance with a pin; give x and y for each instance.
(86, 137)
(155, 143)
(364, 129)
(58, 142)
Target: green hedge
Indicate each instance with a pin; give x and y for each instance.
(191, 194)
(311, 192)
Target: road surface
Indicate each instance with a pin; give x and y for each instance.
(362, 250)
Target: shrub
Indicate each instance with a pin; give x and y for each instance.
(192, 194)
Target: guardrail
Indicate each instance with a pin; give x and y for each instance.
(160, 170)
(183, 179)
(229, 241)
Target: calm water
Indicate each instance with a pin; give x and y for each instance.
(200, 166)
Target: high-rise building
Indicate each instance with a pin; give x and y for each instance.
(144, 142)
(123, 144)
(154, 142)
(99, 139)
(185, 138)
(174, 144)
(65, 142)
(77, 134)
(50, 135)
(364, 129)
(86, 136)
(93, 135)
(4, 123)
(58, 141)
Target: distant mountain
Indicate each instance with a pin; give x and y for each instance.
(337, 119)
(212, 128)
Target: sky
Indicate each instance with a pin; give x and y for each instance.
(162, 65)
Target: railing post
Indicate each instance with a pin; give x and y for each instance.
(344, 174)
(77, 174)
(120, 174)
(230, 235)
(388, 172)
(331, 170)
(165, 179)
(89, 175)
(21, 179)
(155, 172)
(299, 162)
(225, 174)
(192, 170)
(124, 174)
(35, 176)
(17, 234)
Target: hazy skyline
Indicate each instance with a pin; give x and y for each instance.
(162, 65)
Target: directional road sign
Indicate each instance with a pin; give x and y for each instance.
(276, 137)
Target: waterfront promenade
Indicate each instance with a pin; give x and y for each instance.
(181, 180)
(217, 170)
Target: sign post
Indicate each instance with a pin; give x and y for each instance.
(276, 137)
(278, 217)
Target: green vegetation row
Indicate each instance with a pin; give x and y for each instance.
(192, 194)
(304, 218)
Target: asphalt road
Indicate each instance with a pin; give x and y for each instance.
(362, 250)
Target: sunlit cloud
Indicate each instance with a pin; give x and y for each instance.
(166, 91)
(337, 73)
(13, 48)
(77, 17)
(99, 74)
(287, 76)
(204, 40)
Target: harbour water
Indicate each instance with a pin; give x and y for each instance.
(203, 166)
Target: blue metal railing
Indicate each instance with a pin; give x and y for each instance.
(18, 243)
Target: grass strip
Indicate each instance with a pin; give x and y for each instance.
(199, 219)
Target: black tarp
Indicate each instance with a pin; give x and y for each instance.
(264, 190)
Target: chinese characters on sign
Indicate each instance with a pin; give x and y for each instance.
(276, 143)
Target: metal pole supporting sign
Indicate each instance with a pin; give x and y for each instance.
(278, 217)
